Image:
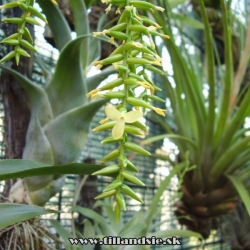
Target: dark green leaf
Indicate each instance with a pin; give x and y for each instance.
(13, 213)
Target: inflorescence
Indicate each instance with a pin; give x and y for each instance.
(132, 59)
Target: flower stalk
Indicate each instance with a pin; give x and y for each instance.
(137, 51)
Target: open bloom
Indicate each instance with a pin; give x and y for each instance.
(121, 119)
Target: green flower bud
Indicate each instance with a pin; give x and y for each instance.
(142, 5)
(154, 69)
(117, 212)
(140, 28)
(112, 59)
(138, 124)
(131, 81)
(121, 201)
(108, 170)
(130, 177)
(14, 36)
(132, 167)
(112, 95)
(120, 67)
(104, 126)
(27, 45)
(22, 52)
(155, 98)
(9, 5)
(118, 35)
(16, 20)
(112, 155)
(8, 56)
(136, 60)
(134, 147)
(113, 185)
(127, 190)
(119, 27)
(17, 57)
(105, 195)
(31, 20)
(136, 21)
(109, 140)
(113, 84)
(133, 130)
(137, 102)
(23, 6)
(28, 35)
(36, 13)
(10, 41)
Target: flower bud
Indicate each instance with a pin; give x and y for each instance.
(107, 170)
(105, 194)
(136, 60)
(28, 35)
(15, 20)
(109, 140)
(10, 41)
(137, 102)
(127, 190)
(142, 5)
(130, 177)
(113, 84)
(112, 59)
(113, 185)
(32, 20)
(105, 126)
(132, 167)
(27, 45)
(36, 13)
(10, 5)
(118, 35)
(8, 56)
(120, 200)
(119, 27)
(141, 126)
(134, 147)
(112, 155)
(155, 98)
(22, 52)
(154, 69)
(118, 94)
(133, 130)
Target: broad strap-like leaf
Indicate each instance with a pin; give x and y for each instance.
(68, 132)
(67, 89)
(57, 23)
(242, 191)
(37, 146)
(188, 21)
(40, 105)
(12, 213)
(11, 169)
(80, 15)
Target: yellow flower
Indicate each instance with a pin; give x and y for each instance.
(54, 2)
(112, 40)
(159, 111)
(121, 119)
(108, 9)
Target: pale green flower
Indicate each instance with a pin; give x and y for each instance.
(121, 119)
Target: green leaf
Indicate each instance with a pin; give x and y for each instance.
(63, 233)
(14, 213)
(68, 132)
(37, 146)
(175, 3)
(107, 230)
(242, 191)
(11, 169)
(40, 106)
(57, 23)
(81, 21)
(161, 137)
(188, 21)
(89, 232)
(67, 89)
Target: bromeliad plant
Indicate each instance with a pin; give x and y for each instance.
(210, 128)
(132, 59)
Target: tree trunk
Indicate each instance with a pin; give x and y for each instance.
(15, 102)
